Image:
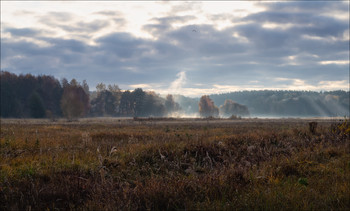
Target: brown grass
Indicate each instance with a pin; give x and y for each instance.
(175, 164)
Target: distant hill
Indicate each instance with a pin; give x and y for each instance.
(290, 103)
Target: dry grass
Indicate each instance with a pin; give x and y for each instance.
(175, 164)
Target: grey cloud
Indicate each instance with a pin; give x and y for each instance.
(62, 53)
(186, 6)
(85, 26)
(57, 47)
(307, 18)
(119, 21)
(124, 45)
(109, 13)
(156, 29)
(280, 17)
(174, 19)
(209, 56)
(303, 23)
(321, 47)
(263, 38)
(23, 32)
(307, 6)
(205, 40)
(290, 41)
(20, 48)
(220, 17)
(315, 73)
(152, 60)
(163, 24)
(68, 22)
(229, 73)
(114, 16)
(323, 26)
(55, 17)
(191, 44)
(67, 45)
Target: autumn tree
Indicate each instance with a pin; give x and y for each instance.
(126, 104)
(207, 107)
(74, 101)
(64, 82)
(230, 108)
(170, 105)
(137, 101)
(114, 88)
(117, 93)
(86, 87)
(105, 104)
(153, 105)
(100, 87)
(50, 91)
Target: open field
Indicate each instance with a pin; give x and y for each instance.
(163, 163)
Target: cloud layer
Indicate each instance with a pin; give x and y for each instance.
(304, 43)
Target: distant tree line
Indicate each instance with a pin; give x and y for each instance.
(112, 101)
(290, 103)
(28, 96)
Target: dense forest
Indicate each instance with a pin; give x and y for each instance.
(28, 96)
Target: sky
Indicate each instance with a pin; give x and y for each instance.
(190, 48)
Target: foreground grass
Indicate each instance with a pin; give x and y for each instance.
(175, 165)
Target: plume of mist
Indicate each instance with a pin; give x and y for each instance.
(189, 106)
(176, 86)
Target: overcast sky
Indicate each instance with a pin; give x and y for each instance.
(192, 48)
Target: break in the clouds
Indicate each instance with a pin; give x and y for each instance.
(190, 47)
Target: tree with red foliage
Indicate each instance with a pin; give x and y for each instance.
(207, 107)
(232, 108)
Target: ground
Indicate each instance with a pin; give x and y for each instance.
(167, 163)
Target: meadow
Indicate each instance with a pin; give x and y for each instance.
(172, 164)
